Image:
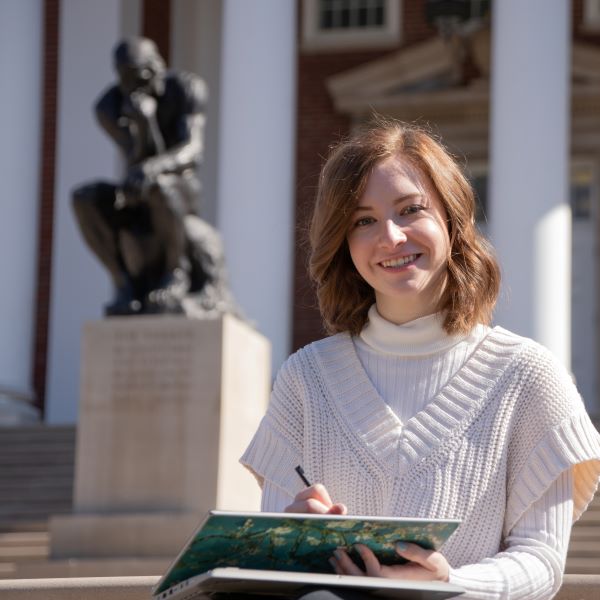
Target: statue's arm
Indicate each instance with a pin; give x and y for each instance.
(186, 149)
(188, 153)
(110, 119)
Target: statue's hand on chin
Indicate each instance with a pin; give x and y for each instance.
(140, 105)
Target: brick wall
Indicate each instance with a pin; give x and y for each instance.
(580, 33)
(156, 24)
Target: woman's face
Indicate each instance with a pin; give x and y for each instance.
(398, 240)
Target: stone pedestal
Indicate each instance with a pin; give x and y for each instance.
(168, 404)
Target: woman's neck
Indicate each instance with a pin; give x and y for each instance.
(406, 311)
(421, 336)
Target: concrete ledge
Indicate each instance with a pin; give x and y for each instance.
(78, 588)
(579, 587)
(575, 587)
(82, 567)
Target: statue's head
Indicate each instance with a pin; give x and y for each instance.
(139, 66)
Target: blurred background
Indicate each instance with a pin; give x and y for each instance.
(512, 87)
(287, 79)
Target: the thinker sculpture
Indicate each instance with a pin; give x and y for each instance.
(161, 257)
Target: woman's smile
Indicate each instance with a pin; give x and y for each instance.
(400, 261)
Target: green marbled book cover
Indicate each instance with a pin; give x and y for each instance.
(286, 542)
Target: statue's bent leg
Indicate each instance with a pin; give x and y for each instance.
(168, 206)
(94, 208)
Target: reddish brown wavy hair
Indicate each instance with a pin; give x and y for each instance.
(344, 296)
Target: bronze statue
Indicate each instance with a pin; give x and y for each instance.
(161, 257)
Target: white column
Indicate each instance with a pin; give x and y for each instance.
(529, 211)
(255, 207)
(196, 47)
(21, 36)
(80, 286)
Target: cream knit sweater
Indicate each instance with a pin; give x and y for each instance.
(412, 422)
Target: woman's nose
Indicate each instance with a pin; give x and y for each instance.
(392, 234)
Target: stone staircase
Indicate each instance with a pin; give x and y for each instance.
(584, 549)
(36, 475)
(36, 481)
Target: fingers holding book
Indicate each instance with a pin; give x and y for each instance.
(422, 565)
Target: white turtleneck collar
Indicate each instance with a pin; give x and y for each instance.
(420, 337)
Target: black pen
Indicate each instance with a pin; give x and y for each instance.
(300, 472)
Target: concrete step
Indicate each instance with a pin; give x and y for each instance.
(586, 533)
(23, 525)
(34, 511)
(23, 553)
(589, 547)
(26, 493)
(589, 518)
(18, 473)
(18, 437)
(37, 431)
(44, 455)
(36, 476)
(587, 565)
(24, 538)
(36, 484)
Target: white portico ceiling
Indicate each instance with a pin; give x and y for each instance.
(423, 83)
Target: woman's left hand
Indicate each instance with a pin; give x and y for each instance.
(423, 564)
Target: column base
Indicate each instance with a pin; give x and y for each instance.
(139, 535)
(17, 411)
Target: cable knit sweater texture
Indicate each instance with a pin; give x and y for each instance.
(494, 426)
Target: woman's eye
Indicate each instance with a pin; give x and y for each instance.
(363, 221)
(412, 209)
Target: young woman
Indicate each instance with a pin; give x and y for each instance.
(415, 406)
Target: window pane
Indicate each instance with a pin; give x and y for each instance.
(379, 17)
(325, 14)
(351, 14)
(479, 183)
(344, 20)
(581, 194)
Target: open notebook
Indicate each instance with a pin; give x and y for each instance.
(280, 554)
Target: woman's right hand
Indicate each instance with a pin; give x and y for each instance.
(315, 499)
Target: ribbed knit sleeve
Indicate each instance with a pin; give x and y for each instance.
(532, 564)
(551, 434)
(276, 448)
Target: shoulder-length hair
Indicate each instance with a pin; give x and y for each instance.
(473, 276)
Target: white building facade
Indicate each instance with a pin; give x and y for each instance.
(247, 52)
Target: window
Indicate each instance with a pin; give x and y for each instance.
(591, 15)
(582, 191)
(344, 24)
(477, 173)
(480, 185)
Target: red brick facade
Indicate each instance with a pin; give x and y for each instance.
(156, 25)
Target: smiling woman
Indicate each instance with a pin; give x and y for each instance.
(415, 406)
(393, 160)
(399, 242)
